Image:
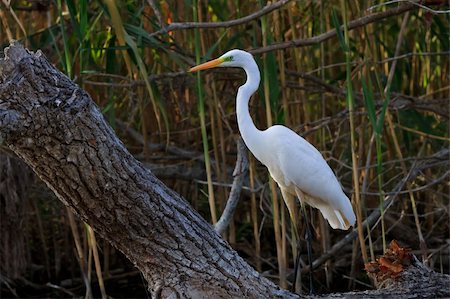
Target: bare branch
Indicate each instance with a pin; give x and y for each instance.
(191, 25)
(327, 35)
(239, 174)
(406, 55)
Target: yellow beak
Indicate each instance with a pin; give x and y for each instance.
(206, 65)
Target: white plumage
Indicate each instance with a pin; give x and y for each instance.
(297, 166)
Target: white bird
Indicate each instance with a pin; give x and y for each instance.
(297, 166)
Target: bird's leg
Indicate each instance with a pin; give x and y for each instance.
(309, 239)
(297, 282)
(291, 204)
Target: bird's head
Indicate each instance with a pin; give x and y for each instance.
(233, 58)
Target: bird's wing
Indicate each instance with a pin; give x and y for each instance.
(298, 167)
(302, 165)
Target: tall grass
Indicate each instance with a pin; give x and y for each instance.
(374, 120)
(201, 111)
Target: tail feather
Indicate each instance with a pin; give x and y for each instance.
(334, 217)
(347, 212)
(341, 217)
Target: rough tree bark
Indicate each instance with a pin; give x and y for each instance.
(54, 126)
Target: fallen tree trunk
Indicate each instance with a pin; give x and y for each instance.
(54, 126)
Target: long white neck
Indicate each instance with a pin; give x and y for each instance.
(250, 134)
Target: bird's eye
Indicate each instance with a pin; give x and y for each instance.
(229, 58)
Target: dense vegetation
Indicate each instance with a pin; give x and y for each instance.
(373, 98)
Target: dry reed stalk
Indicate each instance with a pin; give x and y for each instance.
(98, 269)
(6, 26)
(80, 253)
(215, 120)
(254, 214)
(199, 45)
(219, 151)
(354, 145)
(323, 225)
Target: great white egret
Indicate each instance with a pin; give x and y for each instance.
(297, 166)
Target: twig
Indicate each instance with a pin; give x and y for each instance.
(191, 25)
(406, 55)
(160, 147)
(59, 288)
(177, 171)
(131, 82)
(387, 88)
(6, 281)
(417, 189)
(411, 54)
(399, 101)
(412, 2)
(156, 11)
(427, 135)
(7, 3)
(239, 174)
(329, 34)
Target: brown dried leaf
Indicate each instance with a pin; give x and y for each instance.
(392, 266)
(372, 267)
(394, 246)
